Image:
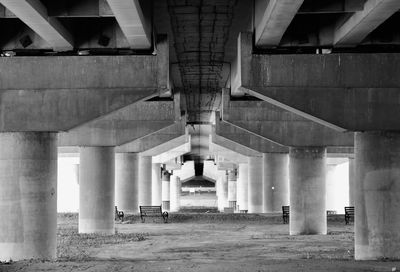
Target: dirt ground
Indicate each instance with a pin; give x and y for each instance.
(204, 242)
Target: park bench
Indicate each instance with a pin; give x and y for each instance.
(152, 211)
(119, 214)
(285, 214)
(348, 214)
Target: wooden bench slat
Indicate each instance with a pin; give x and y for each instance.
(348, 214)
(285, 214)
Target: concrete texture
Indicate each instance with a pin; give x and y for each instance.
(166, 182)
(96, 190)
(144, 188)
(337, 79)
(377, 203)
(126, 182)
(232, 183)
(28, 195)
(275, 181)
(352, 182)
(255, 183)
(243, 186)
(156, 184)
(222, 184)
(281, 126)
(307, 174)
(175, 193)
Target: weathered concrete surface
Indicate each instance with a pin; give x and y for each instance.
(96, 190)
(281, 126)
(221, 146)
(122, 126)
(144, 188)
(172, 152)
(126, 181)
(166, 182)
(255, 183)
(175, 193)
(222, 185)
(307, 175)
(360, 24)
(156, 185)
(275, 181)
(377, 203)
(272, 18)
(161, 140)
(313, 86)
(243, 186)
(244, 138)
(28, 195)
(60, 93)
(232, 185)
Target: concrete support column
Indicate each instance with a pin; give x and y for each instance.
(255, 183)
(126, 182)
(275, 181)
(28, 195)
(96, 190)
(222, 190)
(145, 181)
(242, 186)
(175, 194)
(352, 182)
(232, 183)
(377, 195)
(156, 187)
(166, 181)
(307, 168)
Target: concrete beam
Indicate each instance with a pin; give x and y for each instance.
(164, 139)
(281, 126)
(346, 92)
(226, 132)
(34, 14)
(272, 19)
(361, 23)
(225, 153)
(170, 154)
(133, 22)
(60, 93)
(122, 126)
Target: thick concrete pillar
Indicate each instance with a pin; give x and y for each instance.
(307, 172)
(175, 194)
(377, 197)
(255, 183)
(275, 181)
(222, 190)
(126, 182)
(28, 195)
(166, 180)
(144, 181)
(96, 190)
(242, 186)
(232, 183)
(352, 182)
(156, 187)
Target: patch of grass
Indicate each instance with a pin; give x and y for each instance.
(72, 245)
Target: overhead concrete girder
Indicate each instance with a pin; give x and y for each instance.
(34, 14)
(272, 18)
(133, 21)
(122, 126)
(224, 132)
(361, 23)
(60, 93)
(218, 142)
(224, 153)
(173, 135)
(171, 153)
(281, 126)
(353, 92)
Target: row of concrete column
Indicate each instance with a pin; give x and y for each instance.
(28, 191)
